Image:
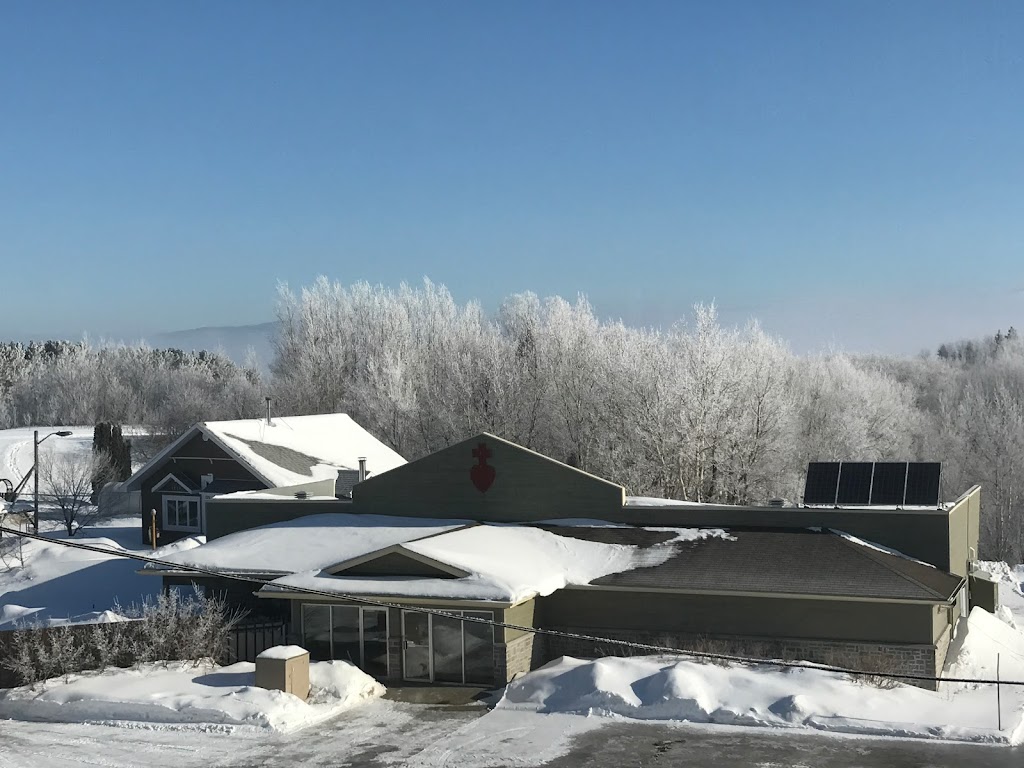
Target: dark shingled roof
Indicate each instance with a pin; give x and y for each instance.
(294, 461)
(799, 562)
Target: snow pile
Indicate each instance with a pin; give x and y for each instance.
(62, 585)
(181, 693)
(1011, 590)
(670, 688)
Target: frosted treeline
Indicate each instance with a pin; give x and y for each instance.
(700, 411)
(165, 390)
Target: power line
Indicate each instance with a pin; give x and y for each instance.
(517, 627)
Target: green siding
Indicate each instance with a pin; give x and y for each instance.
(396, 564)
(734, 615)
(224, 516)
(921, 535)
(526, 487)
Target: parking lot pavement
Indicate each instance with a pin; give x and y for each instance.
(623, 745)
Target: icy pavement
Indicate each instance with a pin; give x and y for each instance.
(384, 734)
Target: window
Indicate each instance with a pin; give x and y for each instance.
(181, 513)
(351, 633)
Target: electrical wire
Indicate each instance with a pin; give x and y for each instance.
(665, 650)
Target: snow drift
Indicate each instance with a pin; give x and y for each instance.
(181, 693)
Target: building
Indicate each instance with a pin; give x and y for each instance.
(486, 529)
(217, 457)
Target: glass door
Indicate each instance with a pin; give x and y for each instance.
(446, 649)
(416, 646)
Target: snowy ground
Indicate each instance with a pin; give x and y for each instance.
(59, 585)
(182, 693)
(16, 454)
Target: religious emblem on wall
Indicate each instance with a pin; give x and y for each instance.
(482, 474)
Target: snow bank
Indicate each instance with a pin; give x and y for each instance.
(181, 693)
(667, 688)
(60, 585)
(1011, 590)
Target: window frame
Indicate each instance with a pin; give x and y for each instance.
(169, 526)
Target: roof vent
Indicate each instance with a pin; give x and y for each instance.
(778, 502)
(301, 495)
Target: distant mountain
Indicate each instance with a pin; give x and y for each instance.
(233, 340)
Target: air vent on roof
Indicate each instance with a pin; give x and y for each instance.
(778, 502)
(880, 483)
(301, 495)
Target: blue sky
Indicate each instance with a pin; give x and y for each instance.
(849, 172)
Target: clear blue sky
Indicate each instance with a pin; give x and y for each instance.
(840, 169)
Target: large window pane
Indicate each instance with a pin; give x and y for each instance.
(316, 631)
(479, 643)
(375, 642)
(447, 637)
(345, 620)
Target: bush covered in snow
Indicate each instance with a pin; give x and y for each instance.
(166, 628)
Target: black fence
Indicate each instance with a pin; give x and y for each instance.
(250, 639)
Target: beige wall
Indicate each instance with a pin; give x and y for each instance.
(964, 531)
(523, 615)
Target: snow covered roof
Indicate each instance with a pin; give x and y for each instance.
(500, 563)
(315, 541)
(290, 450)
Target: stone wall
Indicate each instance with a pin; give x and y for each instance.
(925, 660)
(518, 656)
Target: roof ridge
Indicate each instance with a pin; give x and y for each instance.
(880, 559)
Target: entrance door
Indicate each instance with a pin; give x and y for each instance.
(446, 649)
(416, 646)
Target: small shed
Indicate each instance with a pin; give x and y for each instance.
(284, 668)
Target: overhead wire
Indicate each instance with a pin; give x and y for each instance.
(597, 639)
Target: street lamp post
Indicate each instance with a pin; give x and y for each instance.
(35, 472)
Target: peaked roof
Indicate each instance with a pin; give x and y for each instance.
(289, 450)
(798, 562)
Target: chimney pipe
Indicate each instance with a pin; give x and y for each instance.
(362, 468)
(268, 410)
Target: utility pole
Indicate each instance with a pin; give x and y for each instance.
(35, 479)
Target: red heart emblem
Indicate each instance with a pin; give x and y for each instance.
(482, 474)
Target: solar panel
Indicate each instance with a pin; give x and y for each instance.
(923, 484)
(854, 483)
(889, 483)
(822, 480)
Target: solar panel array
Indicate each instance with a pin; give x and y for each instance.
(878, 483)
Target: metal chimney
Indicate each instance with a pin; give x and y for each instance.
(362, 468)
(268, 410)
